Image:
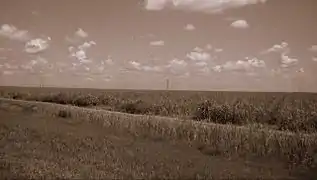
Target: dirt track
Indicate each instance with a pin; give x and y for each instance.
(34, 146)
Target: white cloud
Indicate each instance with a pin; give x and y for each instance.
(281, 48)
(185, 75)
(8, 72)
(217, 68)
(201, 63)
(40, 60)
(209, 46)
(240, 24)
(86, 45)
(206, 6)
(107, 79)
(205, 70)
(218, 50)
(81, 56)
(80, 53)
(36, 45)
(77, 37)
(108, 61)
(198, 56)
(27, 67)
(177, 63)
(240, 65)
(189, 27)
(151, 68)
(147, 68)
(135, 65)
(89, 79)
(301, 70)
(9, 66)
(198, 49)
(313, 48)
(157, 43)
(81, 33)
(254, 62)
(287, 61)
(11, 32)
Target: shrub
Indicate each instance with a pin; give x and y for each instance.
(134, 107)
(64, 114)
(86, 100)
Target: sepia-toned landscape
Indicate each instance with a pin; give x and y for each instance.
(157, 134)
(158, 89)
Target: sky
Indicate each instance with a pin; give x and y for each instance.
(245, 45)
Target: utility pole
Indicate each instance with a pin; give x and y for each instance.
(167, 84)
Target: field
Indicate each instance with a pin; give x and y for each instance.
(144, 134)
(280, 111)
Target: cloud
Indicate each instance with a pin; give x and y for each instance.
(254, 62)
(11, 32)
(205, 6)
(218, 50)
(9, 66)
(151, 68)
(80, 52)
(77, 37)
(86, 45)
(314, 59)
(205, 70)
(240, 24)
(108, 61)
(81, 56)
(89, 79)
(189, 27)
(301, 70)
(217, 68)
(176, 65)
(240, 65)
(36, 45)
(209, 47)
(201, 63)
(313, 48)
(81, 33)
(281, 48)
(8, 72)
(198, 55)
(146, 68)
(157, 43)
(287, 61)
(107, 79)
(135, 65)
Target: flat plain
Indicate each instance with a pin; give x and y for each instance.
(49, 140)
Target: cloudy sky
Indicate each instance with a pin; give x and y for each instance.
(253, 45)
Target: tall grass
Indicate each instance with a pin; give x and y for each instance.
(280, 111)
(297, 148)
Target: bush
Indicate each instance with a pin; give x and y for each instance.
(86, 100)
(134, 107)
(59, 98)
(64, 114)
(210, 111)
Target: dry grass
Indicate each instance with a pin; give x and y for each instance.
(294, 112)
(295, 148)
